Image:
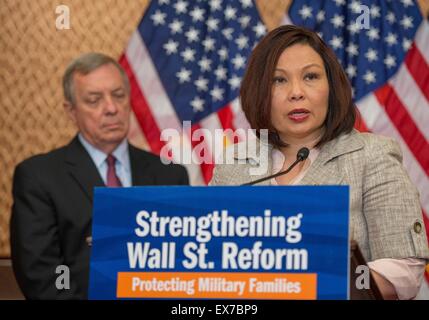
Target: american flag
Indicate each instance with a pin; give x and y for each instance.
(387, 62)
(185, 62)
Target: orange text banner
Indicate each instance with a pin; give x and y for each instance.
(217, 285)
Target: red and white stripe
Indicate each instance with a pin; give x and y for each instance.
(150, 102)
(154, 113)
(400, 109)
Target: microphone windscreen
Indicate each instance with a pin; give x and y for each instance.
(303, 153)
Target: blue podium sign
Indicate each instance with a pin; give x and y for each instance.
(283, 242)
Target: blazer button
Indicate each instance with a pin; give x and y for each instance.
(417, 227)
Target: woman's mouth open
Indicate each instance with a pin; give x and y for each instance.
(298, 115)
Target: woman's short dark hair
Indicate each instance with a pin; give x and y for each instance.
(255, 91)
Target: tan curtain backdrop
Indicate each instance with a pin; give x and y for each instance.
(33, 57)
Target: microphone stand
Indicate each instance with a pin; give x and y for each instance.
(301, 156)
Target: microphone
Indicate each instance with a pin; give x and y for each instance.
(300, 156)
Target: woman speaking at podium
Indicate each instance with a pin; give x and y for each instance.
(295, 88)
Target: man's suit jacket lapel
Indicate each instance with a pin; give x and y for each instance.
(84, 172)
(141, 174)
(82, 168)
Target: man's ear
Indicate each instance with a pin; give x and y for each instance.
(70, 110)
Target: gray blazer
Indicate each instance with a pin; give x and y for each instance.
(385, 213)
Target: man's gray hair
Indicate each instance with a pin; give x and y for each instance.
(85, 64)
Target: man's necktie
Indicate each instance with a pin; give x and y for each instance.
(112, 178)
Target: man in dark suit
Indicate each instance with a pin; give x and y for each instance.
(51, 215)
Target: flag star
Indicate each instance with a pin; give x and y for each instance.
(355, 6)
(340, 2)
(391, 17)
(212, 24)
(406, 44)
(208, 44)
(184, 75)
(407, 3)
(374, 11)
(337, 21)
(176, 26)
(197, 104)
(223, 53)
(215, 5)
(238, 61)
(230, 13)
(188, 55)
(197, 14)
(246, 3)
(171, 47)
(353, 28)
(227, 33)
(371, 55)
(351, 71)
(391, 39)
(201, 84)
(336, 42)
(180, 6)
(305, 12)
(192, 35)
(320, 16)
(369, 77)
(352, 49)
(242, 42)
(244, 21)
(320, 34)
(234, 82)
(220, 73)
(164, 1)
(158, 18)
(217, 93)
(373, 34)
(407, 22)
(259, 29)
(390, 61)
(205, 64)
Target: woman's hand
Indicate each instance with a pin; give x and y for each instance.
(386, 288)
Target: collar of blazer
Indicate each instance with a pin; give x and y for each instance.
(325, 170)
(322, 171)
